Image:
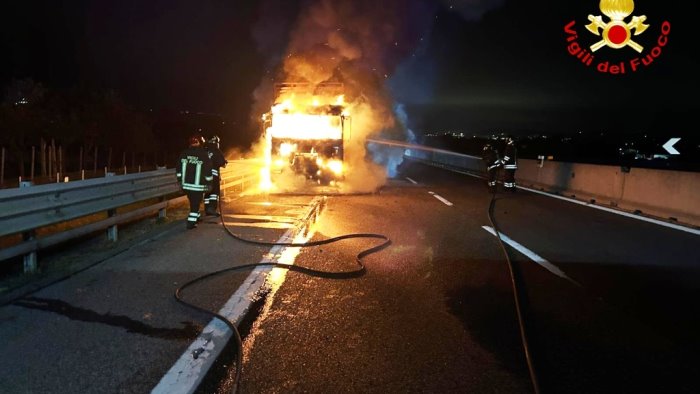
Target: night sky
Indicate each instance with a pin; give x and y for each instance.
(462, 64)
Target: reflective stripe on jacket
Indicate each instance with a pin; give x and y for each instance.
(194, 169)
(510, 157)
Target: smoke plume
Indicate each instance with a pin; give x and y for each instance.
(359, 43)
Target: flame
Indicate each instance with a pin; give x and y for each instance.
(294, 122)
(265, 180)
(287, 148)
(617, 9)
(265, 184)
(307, 118)
(336, 166)
(306, 127)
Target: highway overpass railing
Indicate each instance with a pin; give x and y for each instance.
(25, 210)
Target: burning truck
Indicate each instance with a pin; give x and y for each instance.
(305, 131)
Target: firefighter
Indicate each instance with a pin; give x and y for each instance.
(491, 159)
(211, 199)
(194, 172)
(510, 164)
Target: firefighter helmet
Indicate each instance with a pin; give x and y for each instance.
(196, 140)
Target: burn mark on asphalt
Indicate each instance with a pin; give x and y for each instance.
(188, 332)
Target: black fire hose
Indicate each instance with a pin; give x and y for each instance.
(359, 271)
(516, 296)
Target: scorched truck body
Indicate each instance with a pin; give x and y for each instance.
(306, 129)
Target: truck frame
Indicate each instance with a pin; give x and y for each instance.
(306, 130)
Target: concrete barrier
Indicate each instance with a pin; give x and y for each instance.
(670, 195)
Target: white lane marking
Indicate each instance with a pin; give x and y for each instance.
(439, 197)
(610, 210)
(188, 372)
(531, 255)
(615, 211)
(412, 181)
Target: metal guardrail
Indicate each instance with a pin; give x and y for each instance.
(235, 177)
(26, 209)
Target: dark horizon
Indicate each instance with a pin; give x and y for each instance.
(501, 64)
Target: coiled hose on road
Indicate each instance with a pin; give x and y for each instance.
(359, 271)
(516, 296)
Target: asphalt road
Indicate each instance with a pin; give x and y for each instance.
(609, 303)
(116, 326)
(611, 307)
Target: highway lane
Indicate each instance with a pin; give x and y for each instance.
(633, 322)
(435, 311)
(396, 328)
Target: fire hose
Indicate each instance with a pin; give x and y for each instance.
(359, 271)
(516, 296)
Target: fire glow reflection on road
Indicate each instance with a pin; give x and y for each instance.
(273, 282)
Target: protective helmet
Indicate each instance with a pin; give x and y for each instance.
(214, 140)
(196, 140)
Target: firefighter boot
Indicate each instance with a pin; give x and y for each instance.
(210, 210)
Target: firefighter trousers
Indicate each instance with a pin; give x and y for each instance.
(491, 176)
(211, 199)
(195, 199)
(509, 179)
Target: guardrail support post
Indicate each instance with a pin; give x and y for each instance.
(30, 260)
(2, 167)
(161, 212)
(112, 232)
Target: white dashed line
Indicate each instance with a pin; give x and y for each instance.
(444, 201)
(532, 255)
(412, 181)
(602, 208)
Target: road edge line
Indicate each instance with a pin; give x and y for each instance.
(188, 372)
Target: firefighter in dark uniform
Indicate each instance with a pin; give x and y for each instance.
(510, 164)
(194, 172)
(490, 157)
(211, 199)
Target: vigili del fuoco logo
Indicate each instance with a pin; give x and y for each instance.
(616, 31)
